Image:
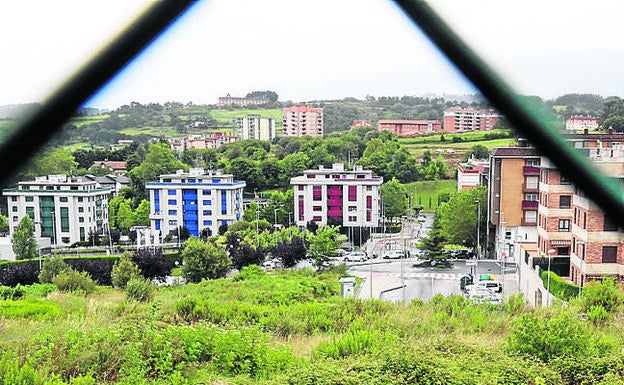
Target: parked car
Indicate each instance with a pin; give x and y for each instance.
(495, 286)
(394, 254)
(272, 264)
(482, 295)
(355, 256)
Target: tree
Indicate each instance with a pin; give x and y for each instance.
(24, 243)
(245, 255)
(140, 216)
(393, 195)
(478, 151)
(124, 270)
(4, 224)
(324, 243)
(290, 252)
(204, 260)
(458, 217)
(159, 159)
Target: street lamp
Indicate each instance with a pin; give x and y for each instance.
(478, 202)
(550, 253)
(257, 226)
(275, 210)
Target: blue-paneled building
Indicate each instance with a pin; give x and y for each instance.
(196, 199)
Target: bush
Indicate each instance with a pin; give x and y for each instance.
(606, 294)
(152, 264)
(51, 268)
(558, 287)
(72, 281)
(140, 290)
(123, 271)
(98, 268)
(19, 273)
(12, 293)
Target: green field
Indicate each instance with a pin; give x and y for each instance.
(427, 193)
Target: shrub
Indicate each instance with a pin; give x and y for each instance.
(140, 290)
(13, 293)
(606, 294)
(70, 280)
(249, 272)
(152, 264)
(204, 260)
(98, 268)
(51, 268)
(19, 273)
(123, 271)
(558, 287)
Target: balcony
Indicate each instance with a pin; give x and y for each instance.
(530, 170)
(529, 204)
(527, 188)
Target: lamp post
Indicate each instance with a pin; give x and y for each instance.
(257, 227)
(478, 202)
(550, 253)
(275, 210)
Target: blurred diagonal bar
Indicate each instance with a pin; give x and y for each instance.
(606, 192)
(36, 129)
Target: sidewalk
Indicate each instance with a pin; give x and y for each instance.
(380, 282)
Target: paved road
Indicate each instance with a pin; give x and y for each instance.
(398, 280)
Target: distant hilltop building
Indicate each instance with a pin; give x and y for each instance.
(201, 142)
(409, 128)
(254, 127)
(361, 123)
(581, 123)
(302, 121)
(241, 101)
(459, 119)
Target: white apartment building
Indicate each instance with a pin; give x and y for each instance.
(254, 126)
(335, 196)
(195, 200)
(64, 209)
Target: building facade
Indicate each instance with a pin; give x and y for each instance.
(409, 128)
(581, 123)
(458, 119)
(472, 173)
(65, 209)
(196, 200)
(240, 101)
(254, 127)
(336, 196)
(302, 121)
(513, 194)
(202, 142)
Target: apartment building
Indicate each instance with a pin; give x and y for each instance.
(409, 128)
(513, 193)
(472, 173)
(202, 142)
(240, 101)
(302, 121)
(254, 126)
(64, 209)
(197, 200)
(459, 119)
(337, 196)
(581, 123)
(358, 123)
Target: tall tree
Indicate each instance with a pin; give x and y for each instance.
(24, 243)
(393, 195)
(323, 243)
(458, 217)
(204, 260)
(158, 160)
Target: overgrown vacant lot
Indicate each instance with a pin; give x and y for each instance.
(292, 328)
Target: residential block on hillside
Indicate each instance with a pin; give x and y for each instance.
(459, 119)
(64, 209)
(197, 200)
(337, 196)
(581, 122)
(240, 101)
(409, 128)
(212, 140)
(254, 126)
(302, 121)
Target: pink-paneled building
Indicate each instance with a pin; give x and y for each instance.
(302, 121)
(337, 196)
(409, 128)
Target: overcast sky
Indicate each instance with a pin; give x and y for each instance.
(307, 50)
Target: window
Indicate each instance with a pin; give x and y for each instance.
(173, 202)
(207, 202)
(609, 254)
(207, 212)
(608, 225)
(564, 180)
(316, 193)
(564, 201)
(352, 218)
(208, 222)
(173, 223)
(207, 192)
(531, 197)
(352, 209)
(369, 188)
(171, 192)
(317, 219)
(81, 219)
(13, 199)
(30, 199)
(63, 199)
(531, 182)
(317, 208)
(533, 162)
(530, 216)
(173, 212)
(564, 225)
(80, 199)
(353, 193)
(81, 209)
(14, 209)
